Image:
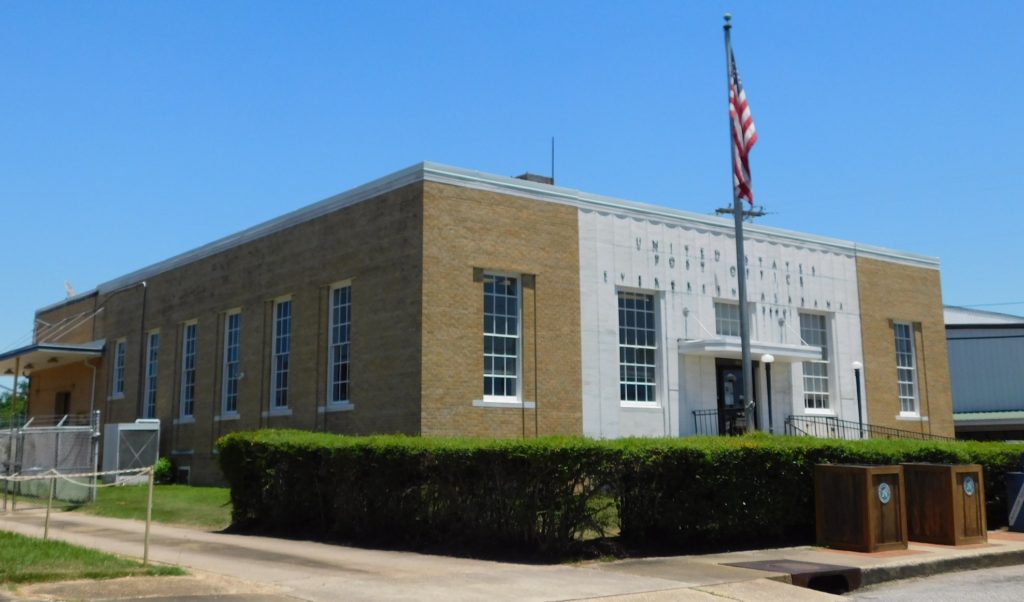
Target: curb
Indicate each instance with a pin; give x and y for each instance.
(881, 574)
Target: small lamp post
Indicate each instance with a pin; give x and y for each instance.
(860, 413)
(768, 359)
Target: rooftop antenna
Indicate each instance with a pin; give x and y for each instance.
(552, 160)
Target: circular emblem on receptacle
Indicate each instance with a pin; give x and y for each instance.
(969, 485)
(884, 493)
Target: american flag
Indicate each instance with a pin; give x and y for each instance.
(744, 135)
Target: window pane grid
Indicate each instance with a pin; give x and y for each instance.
(152, 356)
(340, 341)
(501, 336)
(232, 339)
(119, 354)
(282, 352)
(906, 370)
(188, 370)
(813, 331)
(727, 319)
(637, 348)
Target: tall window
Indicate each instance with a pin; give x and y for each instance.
(232, 373)
(906, 367)
(501, 337)
(338, 351)
(638, 346)
(816, 390)
(727, 319)
(188, 370)
(152, 357)
(117, 387)
(282, 353)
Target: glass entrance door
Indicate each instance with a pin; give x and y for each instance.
(732, 407)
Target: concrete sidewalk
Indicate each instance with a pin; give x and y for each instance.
(239, 567)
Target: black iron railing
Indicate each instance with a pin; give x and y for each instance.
(713, 422)
(829, 427)
(733, 422)
(705, 422)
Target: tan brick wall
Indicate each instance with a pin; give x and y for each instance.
(376, 244)
(896, 292)
(69, 323)
(75, 379)
(464, 231)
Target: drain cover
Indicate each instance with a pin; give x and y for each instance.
(814, 575)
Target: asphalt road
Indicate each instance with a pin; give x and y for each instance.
(991, 585)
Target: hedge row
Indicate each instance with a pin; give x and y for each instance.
(544, 495)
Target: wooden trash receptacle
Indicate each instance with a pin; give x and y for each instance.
(945, 503)
(860, 508)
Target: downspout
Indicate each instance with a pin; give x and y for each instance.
(95, 310)
(142, 352)
(536, 375)
(92, 392)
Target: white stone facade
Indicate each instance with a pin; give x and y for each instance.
(688, 266)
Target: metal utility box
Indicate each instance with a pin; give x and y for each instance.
(130, 445)
(860, 508)
(945, 503)
(1015, 500)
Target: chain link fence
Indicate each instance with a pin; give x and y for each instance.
(65, 444)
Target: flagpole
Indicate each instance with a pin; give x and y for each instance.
(741, 267)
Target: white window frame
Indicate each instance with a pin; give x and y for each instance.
(914, 399)
(625, 347)
(824, 361)
(229, 376)
(118, 371)
(152, 374)
(517, 396)
(339, 338)
(187, 389)
(720, 320)
(277, 392)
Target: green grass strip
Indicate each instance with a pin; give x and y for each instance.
(29, 560)
(203, 507)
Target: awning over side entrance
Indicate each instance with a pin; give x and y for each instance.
(988, 420)
(43, 356)
(730, 347)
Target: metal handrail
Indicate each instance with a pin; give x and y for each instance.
(703, 420)
(706, 422)
(713, 421)
(830, 427)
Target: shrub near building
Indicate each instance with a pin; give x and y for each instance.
(513, 495)
(543, 495)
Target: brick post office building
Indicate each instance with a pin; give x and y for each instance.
(443, 301)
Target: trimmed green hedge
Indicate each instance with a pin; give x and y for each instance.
(534, 495)
(760, 489)
(543, 495)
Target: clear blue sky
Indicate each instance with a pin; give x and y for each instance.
(132, 131)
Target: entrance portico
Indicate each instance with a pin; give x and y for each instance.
(67, 369)
(711, 389)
